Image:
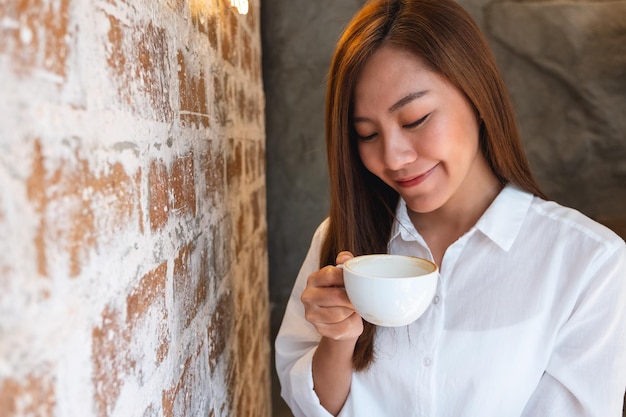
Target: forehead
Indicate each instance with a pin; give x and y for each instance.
(391, 73)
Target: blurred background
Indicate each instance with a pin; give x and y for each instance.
(565, 65)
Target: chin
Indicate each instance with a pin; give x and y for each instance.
(426, 203)
(423, 206)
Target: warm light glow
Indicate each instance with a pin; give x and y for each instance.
(240, 5)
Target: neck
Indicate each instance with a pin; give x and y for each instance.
(463, 213)
(442, 227)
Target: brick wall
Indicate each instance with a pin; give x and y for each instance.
(132, 210)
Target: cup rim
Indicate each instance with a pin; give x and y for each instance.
(428, 265)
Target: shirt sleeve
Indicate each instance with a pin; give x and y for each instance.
(297, 341)
(586, 374)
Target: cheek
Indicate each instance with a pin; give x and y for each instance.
(455, 138)
(437, 141)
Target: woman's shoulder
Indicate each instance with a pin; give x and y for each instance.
(323, 226)
(317, 240)
(564, 220)
(322, 230)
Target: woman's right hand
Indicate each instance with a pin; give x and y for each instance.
(326, 304)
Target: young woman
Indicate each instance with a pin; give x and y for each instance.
(425, 160)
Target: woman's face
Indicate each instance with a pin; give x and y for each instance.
(417, 132)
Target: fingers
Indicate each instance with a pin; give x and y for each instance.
(326, 304)
(349, 329)
(329, 276)
(326, 297)
(343, 257)
(327, 315)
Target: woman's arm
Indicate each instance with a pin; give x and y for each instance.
(328, 308)
(298, 341)
(586, 375)
(332, 373)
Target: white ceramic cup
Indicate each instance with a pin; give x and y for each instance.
(390, 290)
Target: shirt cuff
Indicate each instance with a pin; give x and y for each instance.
(302, 387)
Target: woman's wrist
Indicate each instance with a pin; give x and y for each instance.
(332, 372)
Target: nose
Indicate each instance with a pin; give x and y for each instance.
(398, 150)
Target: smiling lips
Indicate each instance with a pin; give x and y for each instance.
(413, 181)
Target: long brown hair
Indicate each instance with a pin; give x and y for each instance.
(444, 36)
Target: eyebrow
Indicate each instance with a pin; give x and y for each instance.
(402, 102)
(406, 100)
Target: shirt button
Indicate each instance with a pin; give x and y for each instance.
(436, 299)
(428, 361)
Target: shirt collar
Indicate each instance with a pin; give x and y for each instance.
(403, 226)
(503, 219)
(500, 223)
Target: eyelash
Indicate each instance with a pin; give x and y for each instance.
(413, 125)
(417, 123)
(366, 138)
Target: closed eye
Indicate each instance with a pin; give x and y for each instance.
(416, 123)
(366, 138)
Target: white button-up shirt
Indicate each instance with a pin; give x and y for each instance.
(528, 320)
